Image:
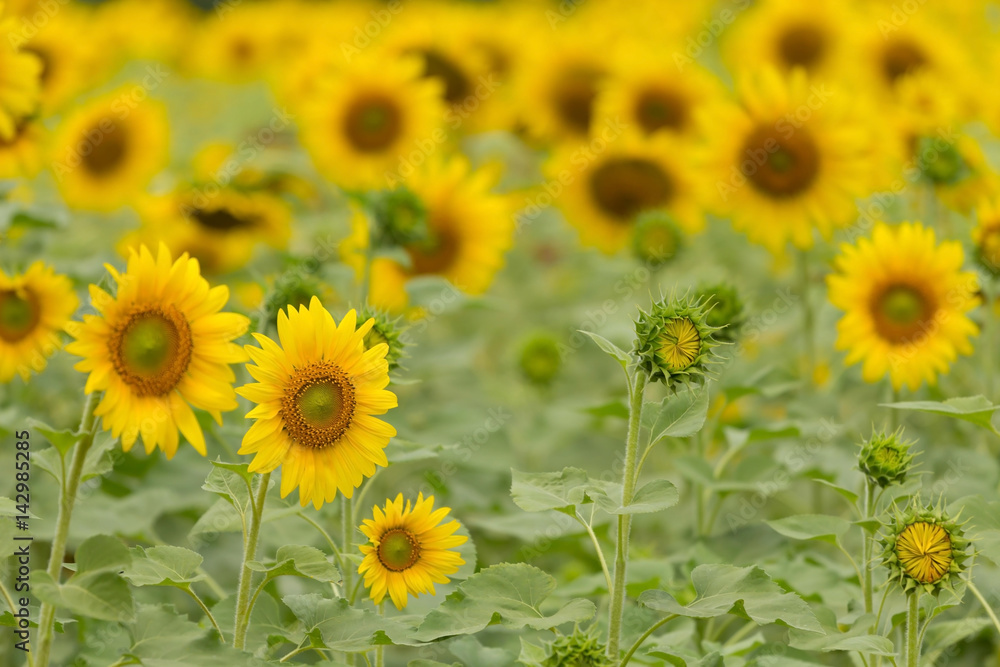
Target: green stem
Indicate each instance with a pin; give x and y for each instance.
(912, 623)
(597, 548)
(329, 540)
(808, 320)
(644, 637)
(67, 499)
(625, 520)
(8, 598)
(379, 655)
(986, 605)
(868, 546)
(205, 609)
(881, 608)
(243, 606)
(347, 528)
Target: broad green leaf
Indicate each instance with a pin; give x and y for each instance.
(163, 637)
(101, 552)
(975, 409)
(846, 493)
(746, 592)
(342, 627)
(623, 357)
(655, 496)
(811, 527)
(420, 662)
(62, 439)
(532, 655)
(241, 469)
(505, 594)
(400, 451)
(102, 595)
(26, 219)
(540, 491)
(857, 638)
(677, 416)
(9, 508)
(221, 517)
(299, 560)
(471, 652)
(231, 485)
(163, 566)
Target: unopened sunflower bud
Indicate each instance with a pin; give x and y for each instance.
(674, 341)
(725, 310)
(885, 458)
(540, 359)
(657, 239)
(924, 549)
(388, 330)
(401, 217)
(577, 650)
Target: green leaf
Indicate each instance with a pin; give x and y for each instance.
(241, 469)
(231, 485)
(811, 527)
(540, 491)
(342, 627)
(655, 496)
(25, 219)
(9, 508)
(623, 357)
(63, 440)
(400, 451)
(163, 566)
(677, 416)
(300, 561)
(102, 595)
(163, 637)
(101, 552)
(855, 639)
(846, 493)
(975, 409)
(746, 592)
(505, 594)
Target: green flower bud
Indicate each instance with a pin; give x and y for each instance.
(401, 217)
(885, 458)
(388, 330)
(656, 239)
(725, 309)
(540, 359)
(674, 341)
(924, 549)
(941, 166)
(577, 650)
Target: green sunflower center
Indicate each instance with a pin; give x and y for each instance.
(105, 148)
(888, 456)
(624, 187)
(924, 551)
(398, 550)
(900, 58)
(780, 165)
(573, 96)
(19, 314)
(373, 123)
(656, 109)
(151, 349)
(680, 344)
(318, 405)
(802, 45)
(902, 313)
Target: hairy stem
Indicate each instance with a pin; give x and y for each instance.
(243, 606)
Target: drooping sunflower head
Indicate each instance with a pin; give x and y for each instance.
(674, 341)
(387, 329)
(409, 549)
(401, 216)
(885, 458)
(540, 359)
(657, 238)
(725, 309)
(580, 649)
(924, 549)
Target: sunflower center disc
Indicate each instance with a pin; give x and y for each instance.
(436, 255)
(780, 166)
(19, 314)
(152, 350)
(107, 148)
(924, 551)
(320, 405)
(625, 187)
(372, 124)
(456, 86)
(679, 344)
(221, 219)
(900, 58)
(803, 45)
(901, 313)
(398, 550)
(574, 97)
(657, 109)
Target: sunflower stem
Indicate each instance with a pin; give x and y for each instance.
(617, 609)
(868, 544)
(808, 320)
(67, 498)
(243, 606)
(912, 623)
(379, 650)
(638, 642)
(986, 605)
(347, 528)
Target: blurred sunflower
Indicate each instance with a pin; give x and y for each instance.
(362, 124)
(788, 161)
(410, 550)
(632, 175)
(905, 300)
(35, 307)
(106, 151)
(235, 46)
(386, 279)
(316, 395)
(174, 22)
(20, 74)
(21, 154)
(986, 234)
(156, 349)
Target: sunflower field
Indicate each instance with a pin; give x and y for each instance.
(499, 333)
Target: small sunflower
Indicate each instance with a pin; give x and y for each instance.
(106, 152)
(674, 341)
(35, 307)
(410, 550)
(905, 300)
(316, 395)
(157, 348)
(20, 73)
(924, 549)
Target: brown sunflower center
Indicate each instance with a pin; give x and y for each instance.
(318, 405)
(108, 153)
(902, 313)
(780, 166)
(20, 313)
(574, 94)
(437, 255)
(656, 109)
(220, 219)
(680, 344)
(900, 58)
(802, 45)
(456, 85)
(151, 349)
(625, 187)
(398, 550)
(373, 123)
(924, 551)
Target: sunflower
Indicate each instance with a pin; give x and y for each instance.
(316, 395)
(924, 549)
(986, 234)
(234, 46)
(604, 191)
(20, 73)
(789, 160)
(905, 300)
(156, 349)
(106, 151)
(173, 21)
(410, 549)
(34, 308)
(363, 125)
(387, 277)
(21, 154)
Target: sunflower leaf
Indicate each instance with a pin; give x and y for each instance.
(102, 595)
(165, 638)
(507, 594)
(102, 552)
(678, 416)
(974, 409)
(342, 627)
(623, 357)
(231, 486)
(163, 566)
(63, 440)
(540, 491)
(811, 527)
(300, 561)
(746, 592)
(655, 496)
